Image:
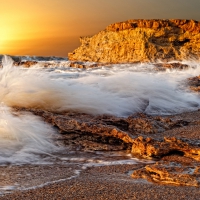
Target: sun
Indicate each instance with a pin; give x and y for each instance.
(6, 37)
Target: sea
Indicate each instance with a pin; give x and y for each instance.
(27, 143)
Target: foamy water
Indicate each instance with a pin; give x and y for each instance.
(71, 166)
(23, 138)
(119, 90)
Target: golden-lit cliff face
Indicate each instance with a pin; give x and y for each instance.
(142, 41)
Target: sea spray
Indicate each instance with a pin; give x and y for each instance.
(23, 137)
(34, 88)
(26, 88)
(120, 90)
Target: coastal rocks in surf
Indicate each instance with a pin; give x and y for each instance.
(87, 132)
(160, 66)
(142, 41)
(25, 64)
(170, 173)
(157, 66)
(175, 65)
(46, 64)
(174, 141)
(85, 65)
(152, 148)
(194, 83)
(146, 136)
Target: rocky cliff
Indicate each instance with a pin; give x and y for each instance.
(142, 41)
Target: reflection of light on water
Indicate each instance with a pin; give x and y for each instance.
(7, 188)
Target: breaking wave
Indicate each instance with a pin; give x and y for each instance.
(23, 137)
(117, 91)
(120, 90)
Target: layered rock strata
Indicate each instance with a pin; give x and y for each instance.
(173, 141)
(142, 41)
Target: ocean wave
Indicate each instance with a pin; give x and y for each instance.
(120, 90)
(116, 91)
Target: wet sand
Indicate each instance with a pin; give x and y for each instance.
(108, 182)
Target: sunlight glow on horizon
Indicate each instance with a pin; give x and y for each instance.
(53, 27)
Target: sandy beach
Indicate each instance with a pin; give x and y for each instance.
(111, 182)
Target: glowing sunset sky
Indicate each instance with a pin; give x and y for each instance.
(53, 27)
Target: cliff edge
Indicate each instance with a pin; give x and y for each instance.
(142, 41)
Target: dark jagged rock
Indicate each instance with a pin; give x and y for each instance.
(151, 148)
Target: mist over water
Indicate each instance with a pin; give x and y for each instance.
(120, 90)
(23, 136)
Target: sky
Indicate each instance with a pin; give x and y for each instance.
(53, 27)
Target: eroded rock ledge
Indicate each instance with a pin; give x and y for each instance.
(173, 141)
(171, 173)
(142, 41)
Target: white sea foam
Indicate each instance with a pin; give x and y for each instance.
(120, 90)
(23, 138)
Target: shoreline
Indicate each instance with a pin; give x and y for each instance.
(172, 140)
(111, 182)
(115, 181)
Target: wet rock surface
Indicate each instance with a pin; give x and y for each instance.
(165, 66)
(174, 141)
(25, 64)
(85, 65)
(194, 83)
(176, 173)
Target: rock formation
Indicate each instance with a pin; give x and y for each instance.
(173, 141)
(170, 173)
(141, 41)
(145, 136)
